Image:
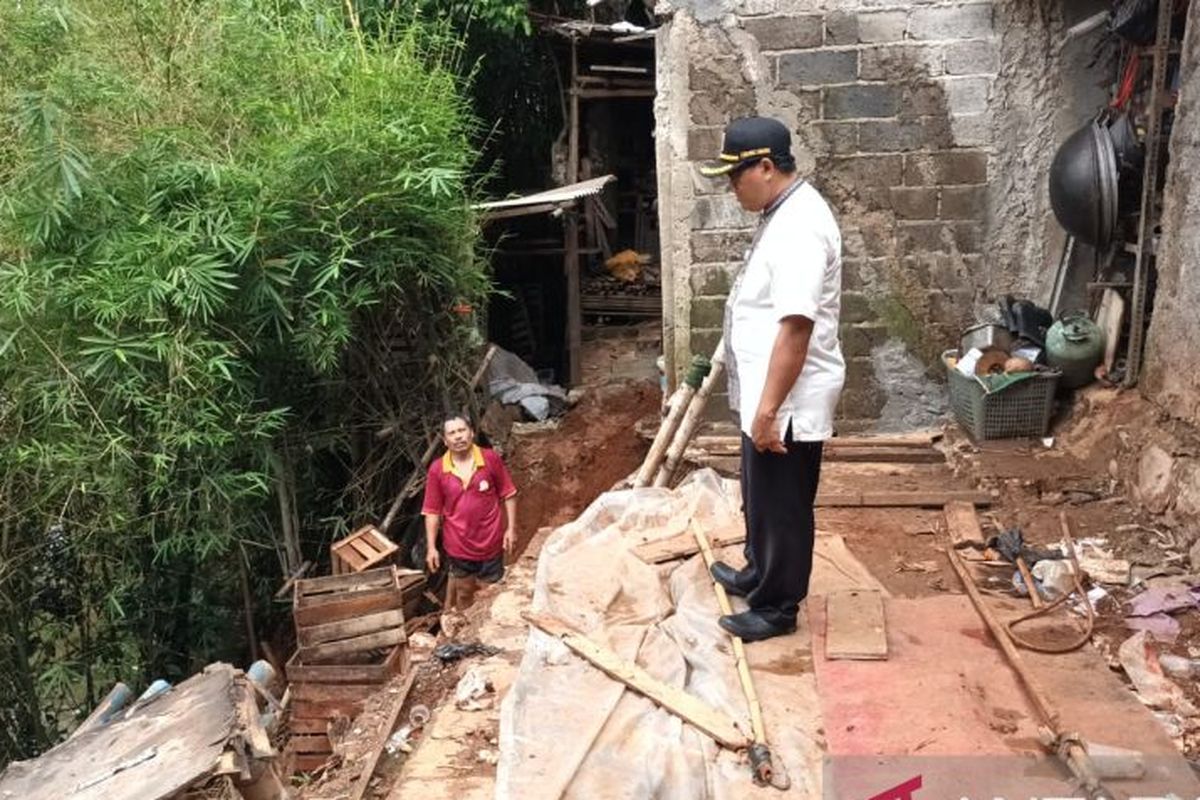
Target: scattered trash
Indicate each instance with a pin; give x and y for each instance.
(916, 566)
(1099, 563)
(1164, 599)
(1018, 585)
(1095, 596)
(473, 691)
(488, 757)
(1179, 666)
(422, 641)
(452, 624)
(401, 740)
(1163, 627)
(1048, 442)
(418, 715)
(1140, 662)
(1057, 576)
(453, 651)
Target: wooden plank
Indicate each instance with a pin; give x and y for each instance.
(364, 549)
(394, 663)
(916, 439)
(309, 763)
(682, 546)
(891, 455)
(347, 606)
(327, 709)
(368, 770)
(1110, 317)
(962, 523)
(309, 743)
(907, 499)
(359, 644)
(309, 588)
(344, 692)
(308, 726)
(349, 628)
(671, 698)
(854, 626)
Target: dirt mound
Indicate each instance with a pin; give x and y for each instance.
(561, 471)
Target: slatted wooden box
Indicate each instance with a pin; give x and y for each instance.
(367, 547)
(351, 640)
(323, 692)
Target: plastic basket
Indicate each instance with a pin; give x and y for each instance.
(1020, 411)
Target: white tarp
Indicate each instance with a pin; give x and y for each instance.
(568, 730)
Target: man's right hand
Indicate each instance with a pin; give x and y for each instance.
(432, 561)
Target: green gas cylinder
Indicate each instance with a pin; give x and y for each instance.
(1075, 346)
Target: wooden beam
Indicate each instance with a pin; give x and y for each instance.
(574, 334)
(962, 524)
(682, 546)
(368, 770)
(671, 698)
(908, 499)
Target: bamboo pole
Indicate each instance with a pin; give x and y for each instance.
(761, 763)
(691, 420)
(1069, 749)
(680, 401)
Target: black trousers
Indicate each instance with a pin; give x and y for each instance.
(778, 492)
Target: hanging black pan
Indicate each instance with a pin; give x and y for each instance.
(1083, 185)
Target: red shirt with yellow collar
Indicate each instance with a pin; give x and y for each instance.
(472, 517)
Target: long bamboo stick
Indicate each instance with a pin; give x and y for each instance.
(761, 764)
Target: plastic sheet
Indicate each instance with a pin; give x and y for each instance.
(568, 730)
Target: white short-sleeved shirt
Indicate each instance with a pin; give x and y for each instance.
(795, 268)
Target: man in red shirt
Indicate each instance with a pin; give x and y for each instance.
(469, 492)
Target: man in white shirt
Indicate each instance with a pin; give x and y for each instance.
(785, 370)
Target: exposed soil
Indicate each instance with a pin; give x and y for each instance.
(561, 471)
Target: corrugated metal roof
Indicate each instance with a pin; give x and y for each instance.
(561, 196)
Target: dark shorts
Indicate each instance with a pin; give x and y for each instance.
(486, 571)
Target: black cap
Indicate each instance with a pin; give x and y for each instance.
(749, 139)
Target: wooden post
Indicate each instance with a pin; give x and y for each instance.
(571, 232)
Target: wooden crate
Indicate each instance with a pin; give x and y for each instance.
(323, 692)
(342, 616)
(367, 547)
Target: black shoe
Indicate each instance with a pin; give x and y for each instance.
(737, 582)
(751, 626)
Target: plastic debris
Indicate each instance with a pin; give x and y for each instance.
(1180, 667)
(1056, 576)
(474, 691)
(1140, 662)
(487, 756)
(454, 651)
(1163, 627)
(1164, 599)
(1099, 563)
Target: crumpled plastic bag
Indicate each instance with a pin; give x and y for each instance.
(474, 691)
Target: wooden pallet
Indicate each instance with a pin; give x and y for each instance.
(367, 547)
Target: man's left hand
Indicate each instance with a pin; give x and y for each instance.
(510, 540)
(765, 434)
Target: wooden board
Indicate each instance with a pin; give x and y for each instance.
(671, 698)
(307, 588)
(359, 644)
(962, 523)
(911, 499)
(855, 627)
(395, 663)
(368, 770)
(333, 608)
(916, 439)
(349, 628)
(683, 546)
(895, 455)
(1110, 317)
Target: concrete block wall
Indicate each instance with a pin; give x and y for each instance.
(903, 115)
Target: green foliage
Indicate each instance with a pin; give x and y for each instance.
(220, 221)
